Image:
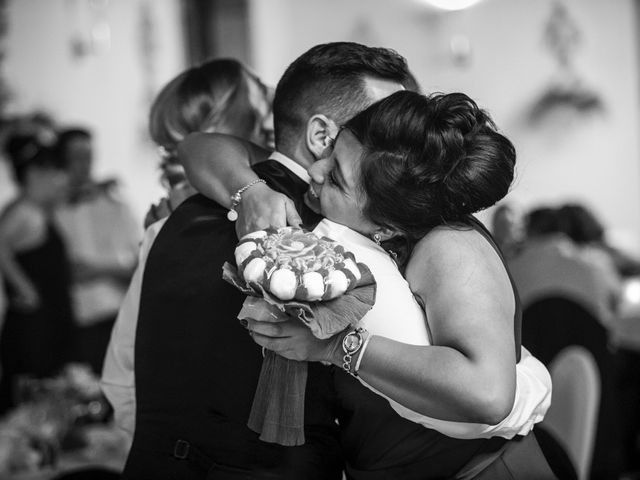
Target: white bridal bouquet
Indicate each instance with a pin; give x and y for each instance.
(311, 278)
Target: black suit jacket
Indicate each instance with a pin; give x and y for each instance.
(197, 368)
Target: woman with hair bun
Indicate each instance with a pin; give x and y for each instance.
(407, 174)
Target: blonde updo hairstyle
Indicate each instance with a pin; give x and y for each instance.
(211, 97)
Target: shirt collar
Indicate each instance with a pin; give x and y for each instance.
(295, 168)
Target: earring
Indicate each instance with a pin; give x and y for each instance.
(377, 238)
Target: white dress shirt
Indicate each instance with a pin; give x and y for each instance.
(118, 381)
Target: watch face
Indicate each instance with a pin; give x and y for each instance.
(351, 342)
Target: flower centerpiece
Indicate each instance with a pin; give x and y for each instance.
(311, 278)
(45, 421)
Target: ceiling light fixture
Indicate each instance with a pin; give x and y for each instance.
(451, 5)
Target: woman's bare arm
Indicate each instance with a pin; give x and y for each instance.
(21, 228)
(218, 165)
(469, 373)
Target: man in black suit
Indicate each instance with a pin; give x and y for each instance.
(196, 368)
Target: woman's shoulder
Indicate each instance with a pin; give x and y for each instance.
(454, 252)
(22, 224)
(20, 212)
(451, 242)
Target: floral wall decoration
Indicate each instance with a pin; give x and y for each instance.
(567, 94)
(148, 50)
(89, 30)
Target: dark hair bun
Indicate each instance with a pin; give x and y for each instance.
(475, 162)
(430, 160)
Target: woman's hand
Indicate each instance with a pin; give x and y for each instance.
(293, 340)
(262, 207)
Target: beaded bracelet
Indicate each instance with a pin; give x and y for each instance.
(236, 198)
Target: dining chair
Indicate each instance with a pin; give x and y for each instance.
(573, 415)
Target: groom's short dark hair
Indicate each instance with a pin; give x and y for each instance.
(329, 79)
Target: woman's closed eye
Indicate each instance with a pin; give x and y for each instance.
(333, 178)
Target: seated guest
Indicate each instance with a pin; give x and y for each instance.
(37, 334)
(551, 264)
(582, 226)
(507, 229)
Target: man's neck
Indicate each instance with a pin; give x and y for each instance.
(295, 168)
(298, 154)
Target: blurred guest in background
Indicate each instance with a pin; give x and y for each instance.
(584, 228)
(221, 95)
(551, 263)
(507, 229)
(102, 237)
(38, 330)
(41, 127)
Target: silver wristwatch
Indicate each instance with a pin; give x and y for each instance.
(351, 344)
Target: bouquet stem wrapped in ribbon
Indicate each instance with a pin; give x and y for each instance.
(307, 277)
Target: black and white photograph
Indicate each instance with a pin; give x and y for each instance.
(319, 240)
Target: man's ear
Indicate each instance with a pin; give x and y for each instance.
(321, 133)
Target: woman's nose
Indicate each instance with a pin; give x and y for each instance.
(320, 169)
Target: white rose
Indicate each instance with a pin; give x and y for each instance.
(353, 268)
(243, 251)
(283, 284)
(254, 270)
(314, 283)
(337, 283)
(255, 235)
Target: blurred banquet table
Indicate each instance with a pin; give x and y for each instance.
(106, 448)
(59, 424)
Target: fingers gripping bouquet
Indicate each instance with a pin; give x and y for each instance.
(308, 277)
